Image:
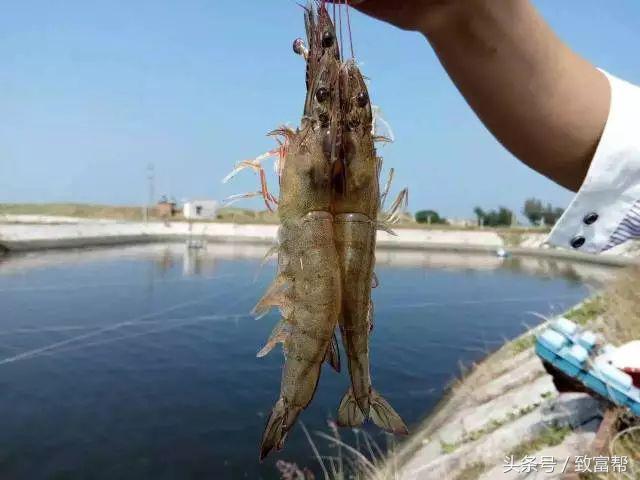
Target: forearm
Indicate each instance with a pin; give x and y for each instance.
(543, 102)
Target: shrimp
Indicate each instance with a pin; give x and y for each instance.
(307, 288)
(328, 208)
(355, 206)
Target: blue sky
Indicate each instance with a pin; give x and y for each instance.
(92, 92)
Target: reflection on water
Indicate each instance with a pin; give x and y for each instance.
(203, 261)
(139, 362)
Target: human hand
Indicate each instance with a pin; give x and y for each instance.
(405, 14)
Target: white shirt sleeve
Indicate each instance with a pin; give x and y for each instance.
(606, 209)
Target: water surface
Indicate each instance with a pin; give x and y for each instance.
(139, 362)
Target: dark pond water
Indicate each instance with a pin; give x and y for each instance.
(139, 362)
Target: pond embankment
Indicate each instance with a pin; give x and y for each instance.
(504, 410)
(32, 232)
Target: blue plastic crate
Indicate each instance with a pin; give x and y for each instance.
(613, 385)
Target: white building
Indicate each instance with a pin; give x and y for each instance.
(200, 209)
(462, 222)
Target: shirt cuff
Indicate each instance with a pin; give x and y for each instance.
(612, 185)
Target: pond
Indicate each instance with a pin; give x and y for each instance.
(139, 362)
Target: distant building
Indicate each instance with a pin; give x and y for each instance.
(200, 209)
(166, 208)
(462, 222)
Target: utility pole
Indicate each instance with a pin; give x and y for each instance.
(151, 178)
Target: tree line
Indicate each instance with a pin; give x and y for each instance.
(534, 210)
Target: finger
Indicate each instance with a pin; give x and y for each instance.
(362, 5)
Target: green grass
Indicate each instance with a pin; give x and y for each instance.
(523, 343)
(546, 395)
(127, 213)
(590, 310)
(550, 437)
(73, 210)
(447, 447)
(472, 472)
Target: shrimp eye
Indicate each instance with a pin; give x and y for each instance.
(298, 46)
(322, 94)
(362, 99)
(327, 39)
